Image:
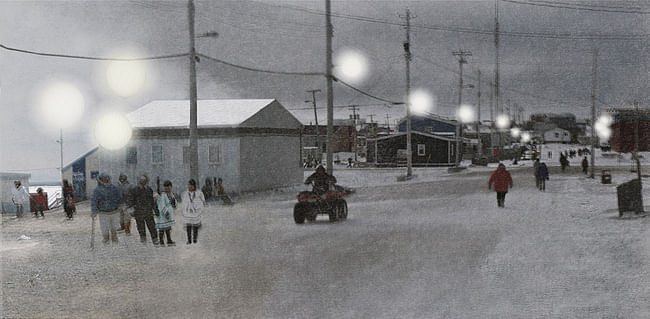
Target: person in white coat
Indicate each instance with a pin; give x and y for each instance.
(19, 195)
(192, 208)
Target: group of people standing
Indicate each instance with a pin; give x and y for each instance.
(153, 211)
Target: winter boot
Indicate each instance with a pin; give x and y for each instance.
(161, 238)
(170, 242)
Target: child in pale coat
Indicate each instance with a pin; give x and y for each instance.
(166, 203)
(193, 202)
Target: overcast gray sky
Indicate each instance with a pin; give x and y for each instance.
(545, 56)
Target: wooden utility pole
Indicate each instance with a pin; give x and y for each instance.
(459, 127)
(354, 119)
(594, 78)
(478, 117)
(330, 92)
(313, 100)
(194, 154)
(407, 58)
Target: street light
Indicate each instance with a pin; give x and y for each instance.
(351, 66)
(61, 105)
(502, 122)
(113, 131)
(421, 102)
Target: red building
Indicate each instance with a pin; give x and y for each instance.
(623, 130)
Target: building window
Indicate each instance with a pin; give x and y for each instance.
(214, 154)
(186, 154)
(557, 135)
(132, 155)
(566, 134)
(156, 154)
(421, 150)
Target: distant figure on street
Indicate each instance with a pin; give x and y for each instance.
(192, 208)
(142, 200)
(221, 192)
(105, 201)
(19, 195)
(166, 203)
(41, 203)
(125, 218)
(542, 176)
(585, 165)
(501, 179)
(536, 171)
(564, 162)
(208, 191)
(68, 200)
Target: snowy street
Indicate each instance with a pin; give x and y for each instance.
(433, 247)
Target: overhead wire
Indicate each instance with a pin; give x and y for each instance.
(82, 57)
(549, 4)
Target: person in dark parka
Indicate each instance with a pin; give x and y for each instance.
(542, 176)
(501, 179)
(142, 200)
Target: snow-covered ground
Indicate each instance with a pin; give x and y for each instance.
(435, 246)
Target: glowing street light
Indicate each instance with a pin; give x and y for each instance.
(351, 66)
(466, 114)
(602, 127)
(503, 121)
(525, 137)
(61, 105)
(515, 132)
(113, 131)
(421, 102)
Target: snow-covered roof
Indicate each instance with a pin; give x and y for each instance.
(210, 113)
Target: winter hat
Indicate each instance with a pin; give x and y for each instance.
(192, 182)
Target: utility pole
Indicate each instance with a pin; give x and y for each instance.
(407, 58)
(354, 118)
(330, 92)
(491, 101)
(461, 60)
(478, 117)
(388, 122)
(60, 141)
(496, 56)
(313, 100)
(636, 141)
(194, 154)
(594, 77)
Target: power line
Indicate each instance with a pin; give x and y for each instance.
(366, 93)
(550, 4)
(565, 36)
(590, 5)
(56, 55)
(259, 70)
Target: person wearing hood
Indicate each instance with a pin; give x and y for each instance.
(125, 218)
(68, 200)
(502, 180)
(19, 195)
(142, 200)
(106, 201)
(542, 176)
(41, 202)
(192, 208)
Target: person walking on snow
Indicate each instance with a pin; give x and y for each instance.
(41, 202)
(19, 195)
(105, 201)
(542, 176)
(535, 172)
(141, 198)
(192, 208)
(501, 180)
(68, 200)
(585, 165)
(125, 218)
(166, 203)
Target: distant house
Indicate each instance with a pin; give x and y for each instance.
(344, 133)
(250, 144)
(431, 125)
(427, 150)
(557, 135)
(6, 185)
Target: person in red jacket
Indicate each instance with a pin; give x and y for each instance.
(501, 180)
(41, 202)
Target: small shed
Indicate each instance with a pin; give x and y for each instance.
(427, 150)
(7, 185)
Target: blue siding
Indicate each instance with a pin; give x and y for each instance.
(427, 125)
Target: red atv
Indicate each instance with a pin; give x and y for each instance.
(310, 204)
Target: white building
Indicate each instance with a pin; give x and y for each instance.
(250, 144)
(557, 135)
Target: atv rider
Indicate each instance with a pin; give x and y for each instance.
(320, 180)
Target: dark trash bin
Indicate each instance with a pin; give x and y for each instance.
(629, 197)
(605, 177)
